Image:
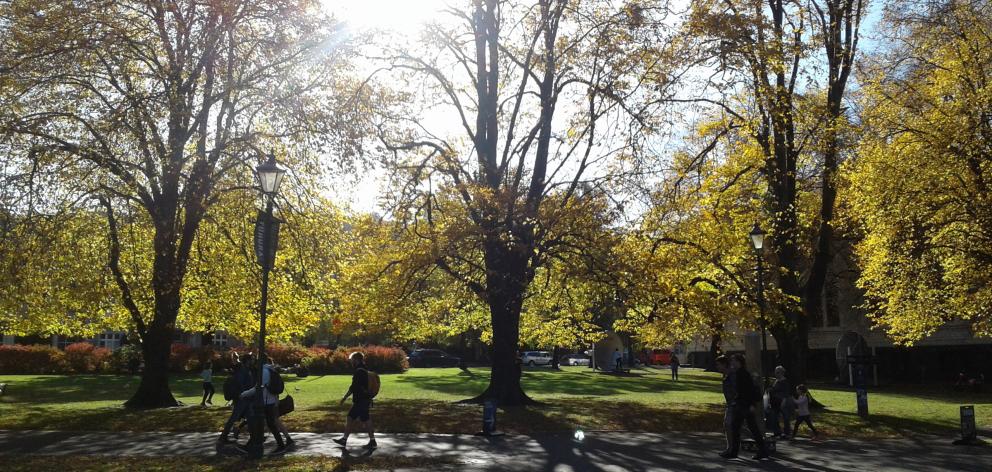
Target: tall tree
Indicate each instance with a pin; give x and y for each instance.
(548, 95)
(919, 191)
(772, 51)
(162, 105)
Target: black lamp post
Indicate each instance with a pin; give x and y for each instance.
(269, 175)
(758, 243)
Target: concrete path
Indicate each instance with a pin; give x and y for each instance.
(597, 452)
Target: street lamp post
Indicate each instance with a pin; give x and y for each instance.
(269, 175)
(758, 243)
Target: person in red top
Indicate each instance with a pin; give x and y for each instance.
(361, 402)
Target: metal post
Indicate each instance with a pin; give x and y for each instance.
(257, 419)
(761, 309)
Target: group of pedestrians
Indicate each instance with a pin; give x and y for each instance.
(240, 388)
(785, 403)
(745, 406)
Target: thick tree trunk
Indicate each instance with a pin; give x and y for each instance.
(153, 391)
(504, 380)
(156, 343)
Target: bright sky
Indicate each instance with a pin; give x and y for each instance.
(404, 18)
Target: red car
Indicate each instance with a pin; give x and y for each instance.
(655, 356)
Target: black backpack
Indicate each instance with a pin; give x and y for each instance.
(276, 385)
(231, 387)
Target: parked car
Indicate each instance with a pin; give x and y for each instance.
(574, 359)
(655, 356)
(432, 358)
(533, 358)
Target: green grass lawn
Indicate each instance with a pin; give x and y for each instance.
(425, 400)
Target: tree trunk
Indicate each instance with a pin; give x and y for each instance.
(153, 391)
(715, 350)
(156, 342)
(506, 280)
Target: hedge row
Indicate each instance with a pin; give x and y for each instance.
(84, 358)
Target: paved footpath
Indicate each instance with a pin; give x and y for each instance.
(597, 452)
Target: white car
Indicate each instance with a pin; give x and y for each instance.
(574, 359)
(533, 358)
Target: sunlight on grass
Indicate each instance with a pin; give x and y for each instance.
(424, 400)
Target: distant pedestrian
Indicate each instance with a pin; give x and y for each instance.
(780, 404)
(729, 391)
(802, 411)
(240, 380)
(746, 395)
(361, 402)
(618, 360)
(208, 384)
(675, 367)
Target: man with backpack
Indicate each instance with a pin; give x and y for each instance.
(272, 387)
(364, 387)
(239, 381)
(744, 397)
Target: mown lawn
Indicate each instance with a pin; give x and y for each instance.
(425, 400)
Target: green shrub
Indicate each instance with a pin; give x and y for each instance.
(126, 360)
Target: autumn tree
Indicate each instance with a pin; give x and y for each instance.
(164, 106)
(778, 58)
(537, 98)
(919, 191)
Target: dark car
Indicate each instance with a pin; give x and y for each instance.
(432, 358)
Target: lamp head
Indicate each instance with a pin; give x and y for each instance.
(757, 237)
(270, 175)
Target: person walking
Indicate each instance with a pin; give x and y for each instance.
(802, 411)
(675, 367)
(618, 360)
(270, 401)
(240, 381)
(208, 384)
(361, 402)
(745, 397)
(280, 426)
(729, 392)
(780, 404)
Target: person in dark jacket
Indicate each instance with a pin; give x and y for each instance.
(729, 389)
(780, 403)
(239, 407)
(745, 395)
(362, 402)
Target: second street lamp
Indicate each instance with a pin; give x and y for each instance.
(758, 243)
(269, 175)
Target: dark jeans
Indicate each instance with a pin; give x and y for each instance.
(675, 373)
(743, 415)
(803, 419)
(270, 423)
(238, 411)
(619, 364)
(778, 419)
(208, 392)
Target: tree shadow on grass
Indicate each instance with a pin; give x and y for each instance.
(549, 382)
(116, 419)
(61, 389)
(882, 425)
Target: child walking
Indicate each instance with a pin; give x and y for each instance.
(208, 384)
(802, 411)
